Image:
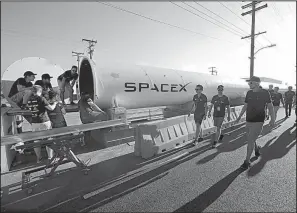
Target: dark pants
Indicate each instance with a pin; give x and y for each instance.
(288, 106)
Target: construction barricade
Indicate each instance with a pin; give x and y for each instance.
(156, 137)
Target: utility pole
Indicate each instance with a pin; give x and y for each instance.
(213, 71)
(253, 11)
(78, 55)
(90, 47)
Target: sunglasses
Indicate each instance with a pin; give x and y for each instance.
(198, 89)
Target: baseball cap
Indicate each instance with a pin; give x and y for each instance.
(220, 87)
(46, 76)
(29, 73)
(255, 79)
(198, 86)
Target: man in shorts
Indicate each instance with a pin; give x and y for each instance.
(276, 98)
(200, 106)
(38, 105)
(271, 91)
(19, 85)
(220, 103)
(64, 82)
(290, 97)
(254, 106)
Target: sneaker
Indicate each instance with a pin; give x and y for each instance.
(194, 142)
(257, 151)
(72, 103)
(245, 165)
(214, 144)
(200, 139)
(40, 160)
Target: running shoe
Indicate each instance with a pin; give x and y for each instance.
(200, 139)
(257, 151)
(245, 165)
(214, 144)
(221, 138)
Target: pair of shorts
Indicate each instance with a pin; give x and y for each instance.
(253, 130)
(41, 126)
(218, 121)
(59, 124)
(198, 118)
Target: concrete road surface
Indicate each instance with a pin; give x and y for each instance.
(188, 179)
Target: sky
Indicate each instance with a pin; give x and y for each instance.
(52, 30)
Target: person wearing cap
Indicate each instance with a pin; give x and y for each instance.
(220, 102)
(64, 82)
(276, 98)
(45, 82)
(254, 106)
(19, 85)
(290, 97)
(22, 83)
(200, 106)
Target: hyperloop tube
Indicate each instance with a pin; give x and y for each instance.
(137, 86)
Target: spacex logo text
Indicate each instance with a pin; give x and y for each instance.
(133, 87)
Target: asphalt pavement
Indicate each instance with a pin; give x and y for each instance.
(187, 179)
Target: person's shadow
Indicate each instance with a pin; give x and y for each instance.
(284, 143)
(204, 200)
(237, 140)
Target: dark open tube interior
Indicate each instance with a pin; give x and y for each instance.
(86, 81)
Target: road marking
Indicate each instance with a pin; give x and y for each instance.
(96, 192)
(124, 192)
(60, 203)
(31, 196)
(171, 159)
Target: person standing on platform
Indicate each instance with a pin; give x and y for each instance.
(220, 102)
(19, 85)
(276, 99)
(290, 97)
(38, 105)
(200, 106)
(64, 82)
(56, 116)
(254, 106)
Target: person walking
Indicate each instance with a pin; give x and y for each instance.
(276, 99)
(200, 106)
(271, 91)
(220, 102)
(254, 106)
(290, 97)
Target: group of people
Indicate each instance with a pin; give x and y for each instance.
(47, 105)
(258, 102)
(287, 100)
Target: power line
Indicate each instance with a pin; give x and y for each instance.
(240, 19)
(161, 22)
(17, 33)
(235, 14)
(237, 33)
(220, 17)
(201, 17)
